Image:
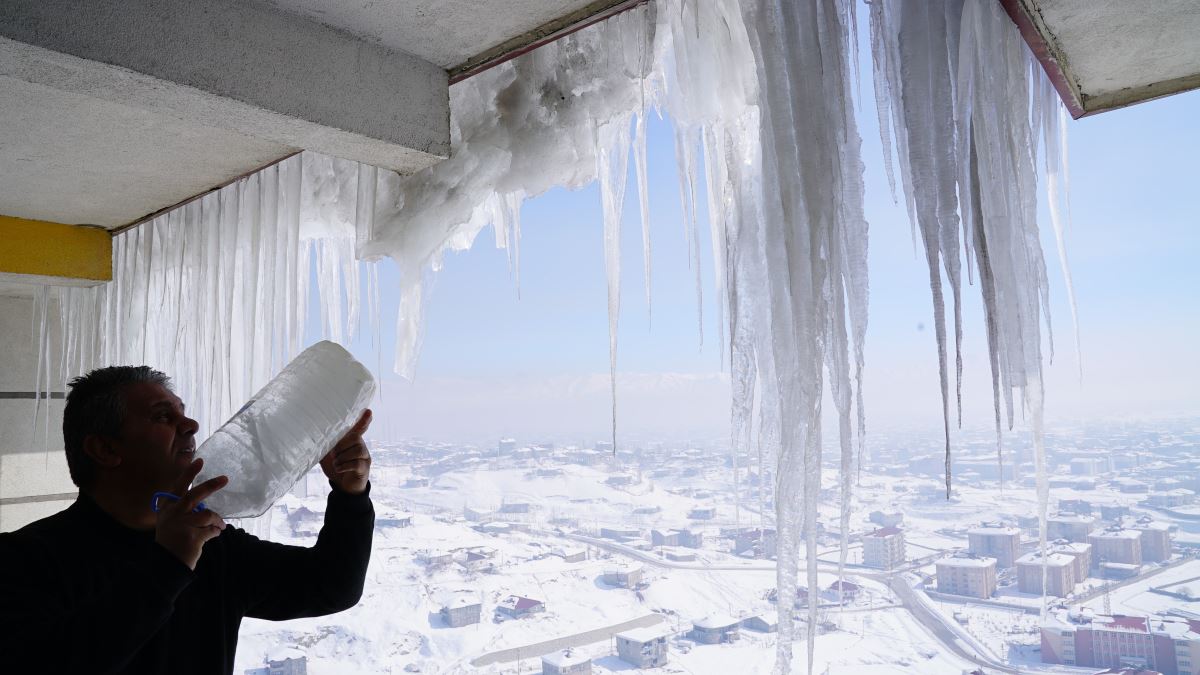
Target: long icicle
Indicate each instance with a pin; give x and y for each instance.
(613, 158)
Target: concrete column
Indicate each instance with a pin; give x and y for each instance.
(33, 470)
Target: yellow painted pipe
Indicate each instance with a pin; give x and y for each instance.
(52, 251)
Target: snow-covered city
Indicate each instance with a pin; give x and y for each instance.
(563, 558)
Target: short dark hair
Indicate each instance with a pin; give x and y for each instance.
(96, 406)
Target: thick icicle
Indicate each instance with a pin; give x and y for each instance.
(812, 206)
(910, 39)
(967, 116)
(613, 159)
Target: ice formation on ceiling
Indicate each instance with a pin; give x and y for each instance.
(760, 92)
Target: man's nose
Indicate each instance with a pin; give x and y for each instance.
(189, 427)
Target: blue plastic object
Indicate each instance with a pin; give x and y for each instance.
(173, 497)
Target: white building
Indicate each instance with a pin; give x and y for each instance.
(884, 548)
(967, 574)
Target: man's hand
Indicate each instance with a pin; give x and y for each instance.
(349, 462)
(181, 531)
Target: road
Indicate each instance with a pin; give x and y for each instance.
(1099, 591)
(934, 622)
(577, 640)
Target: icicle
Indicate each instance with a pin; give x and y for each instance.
(512, 208)
(1054, 140)
(639, 158)
(1034, 403)
(41, 385)
(612, 155)
(716, 191)
(214, 293)
(685, 158)
(812, 205)
(909, 39)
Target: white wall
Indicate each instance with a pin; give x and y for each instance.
(32, 462)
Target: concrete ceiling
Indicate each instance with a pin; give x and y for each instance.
(1107, 54)
(115, 110)
(446, 32)
(69, 158)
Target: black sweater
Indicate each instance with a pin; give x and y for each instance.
(81, 593)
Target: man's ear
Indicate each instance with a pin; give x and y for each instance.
(102, 451)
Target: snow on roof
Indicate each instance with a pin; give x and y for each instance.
(885, 531)
(1153, 525)
(565, 658)
(966, 560)
(461, 601)
(284, 653)
(1117, 534)
(1052, 559)
(992, 530)
(525, 603)
(645, 634)
(1133, 623)
(1070, 518)
(1071, 547)
(769, 616)
(715, 622)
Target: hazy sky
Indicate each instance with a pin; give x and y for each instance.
(535, 367)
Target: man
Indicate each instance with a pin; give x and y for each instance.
(110, 586)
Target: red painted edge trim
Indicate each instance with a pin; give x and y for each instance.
(1041, 51)
(559, 34)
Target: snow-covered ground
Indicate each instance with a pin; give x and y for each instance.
(516, 515)
(396, 625)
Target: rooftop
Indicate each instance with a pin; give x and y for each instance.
(1052, 559)
(993, 530)
(461, 601)
(1071, 547)
(1070, 518)
(715, 621)
(966, 560)
(645, 634)
(1116, 534)
(564, 658)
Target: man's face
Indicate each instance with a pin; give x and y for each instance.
(157, 440)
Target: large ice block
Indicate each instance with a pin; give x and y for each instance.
(285, 429)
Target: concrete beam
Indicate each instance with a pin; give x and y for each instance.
(239, 66)
(40, 252)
